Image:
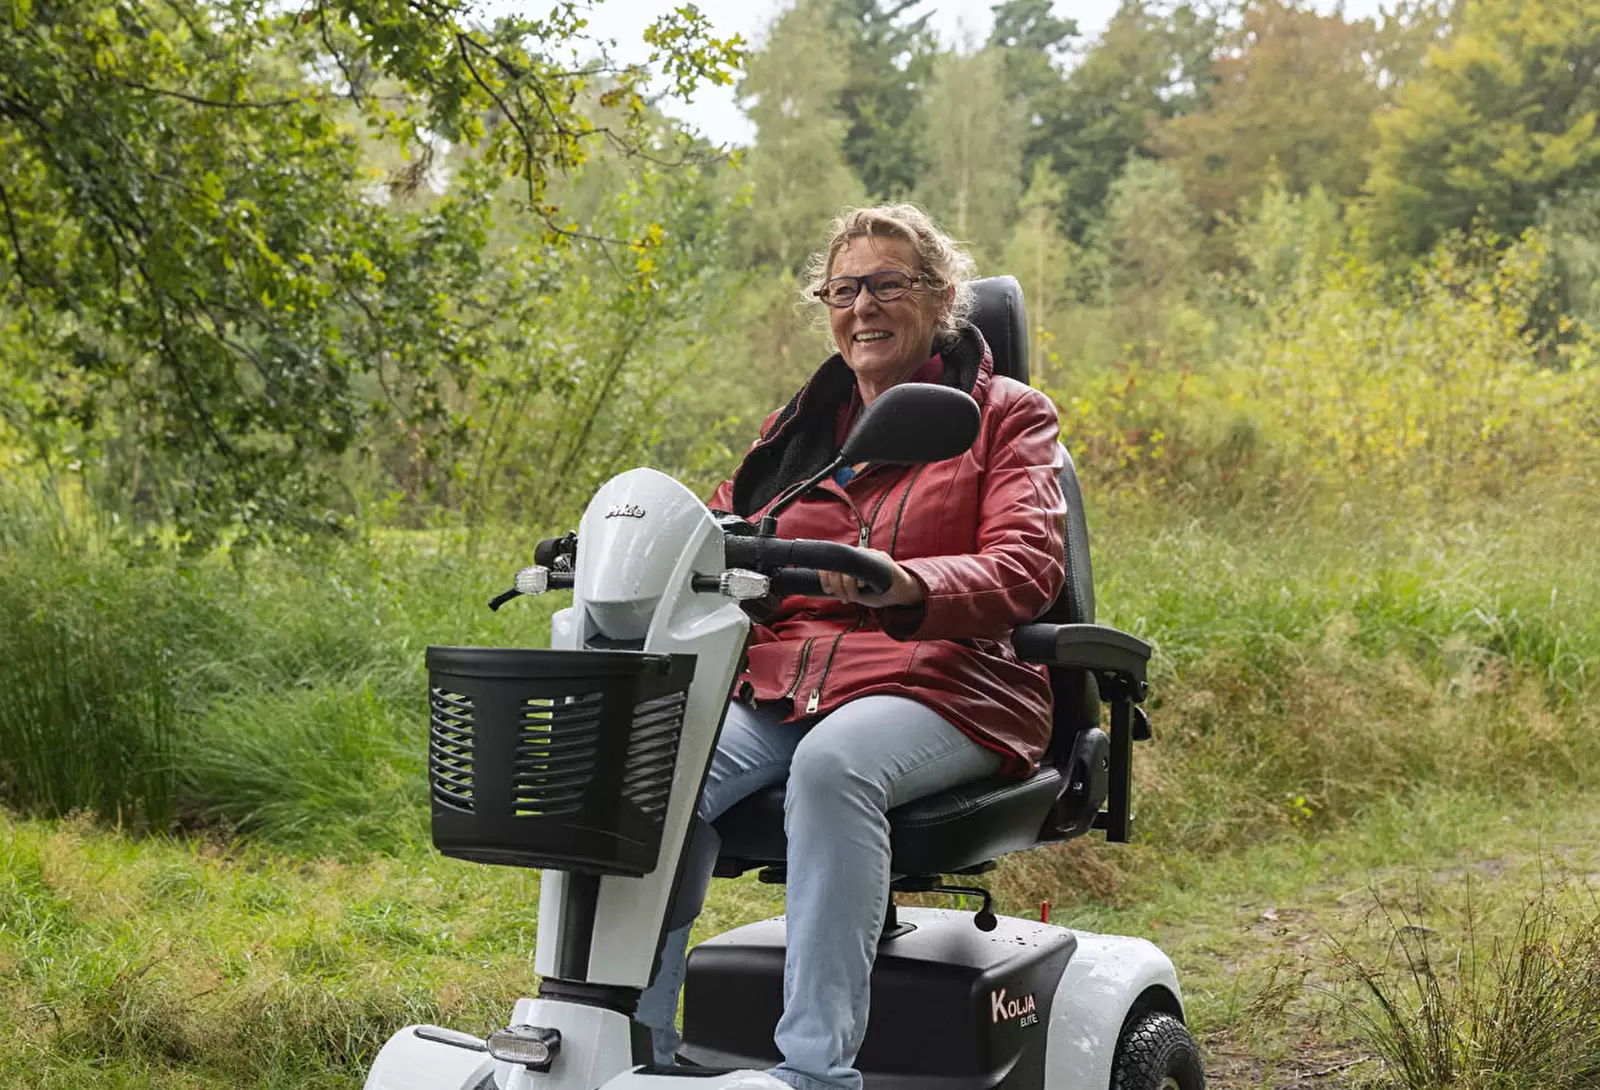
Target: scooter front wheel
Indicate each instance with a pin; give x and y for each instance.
(1155, 1052)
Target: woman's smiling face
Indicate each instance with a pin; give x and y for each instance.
(883, 343)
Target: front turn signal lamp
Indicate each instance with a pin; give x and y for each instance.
(534, 1047)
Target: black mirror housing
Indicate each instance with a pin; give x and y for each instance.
(912, 423)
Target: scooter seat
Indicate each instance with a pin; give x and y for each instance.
(944, 833)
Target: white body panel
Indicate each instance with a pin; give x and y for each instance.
(594, 1047)
(407, 1062)
(630, 541)
(1106, 974)
(650, 552)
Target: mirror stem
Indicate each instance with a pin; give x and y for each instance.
(769, 521)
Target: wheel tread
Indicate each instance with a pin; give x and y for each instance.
(1155, 1047)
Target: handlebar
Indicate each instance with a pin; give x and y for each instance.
(806, 581)
(793, 563)
(552, 551)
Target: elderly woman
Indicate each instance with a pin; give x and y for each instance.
(864, 702)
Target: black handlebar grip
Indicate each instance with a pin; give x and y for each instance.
(773, 555)
(805, 581)
(546, 552)
(875, 573)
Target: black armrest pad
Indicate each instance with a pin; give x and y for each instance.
(1089, 646)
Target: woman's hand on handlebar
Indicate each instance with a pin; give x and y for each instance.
(904, 591)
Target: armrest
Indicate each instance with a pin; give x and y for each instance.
(1087, 646)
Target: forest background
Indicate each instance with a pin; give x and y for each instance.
(313, 318)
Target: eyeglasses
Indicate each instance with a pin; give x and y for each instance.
(885, 286)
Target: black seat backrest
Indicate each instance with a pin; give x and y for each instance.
(1001, 317)
(998, 313)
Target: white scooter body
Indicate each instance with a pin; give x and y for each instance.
(641, 539)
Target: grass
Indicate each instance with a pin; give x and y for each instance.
(1519, 1011)
(1308, 663)
(141, 961)
(276, 694)
(206, 965)
(1346, 701)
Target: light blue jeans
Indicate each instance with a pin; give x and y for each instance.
(845, 771)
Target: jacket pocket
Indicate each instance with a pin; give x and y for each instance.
(1000, 649)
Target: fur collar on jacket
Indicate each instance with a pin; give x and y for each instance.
(800, 441)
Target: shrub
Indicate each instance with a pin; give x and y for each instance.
(1434, 383)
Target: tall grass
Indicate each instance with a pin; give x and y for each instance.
(273, 693)
(1524, 1012)
(1309, 665)
(88, 715)
(1310, 662)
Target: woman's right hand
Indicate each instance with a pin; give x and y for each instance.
(905, 590)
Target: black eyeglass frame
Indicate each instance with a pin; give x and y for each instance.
(866, 283)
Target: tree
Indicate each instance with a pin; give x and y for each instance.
(1502, 118)
(1148, 66)
(1032, 42)
(200, 267)
(1042, 258)
(1292, 92)
(890, 60)
(798, 173)
(971, 180)
(1148, 243)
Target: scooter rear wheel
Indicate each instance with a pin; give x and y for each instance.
(1155, 1052)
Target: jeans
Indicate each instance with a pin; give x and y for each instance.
(845, 771)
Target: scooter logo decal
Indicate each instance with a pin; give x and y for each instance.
(1004, 1010)
(625, 511)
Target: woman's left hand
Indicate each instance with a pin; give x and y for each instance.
(904, 591)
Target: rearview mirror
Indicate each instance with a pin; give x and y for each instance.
(911, 423)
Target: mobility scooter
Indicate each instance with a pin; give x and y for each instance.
(586, 760)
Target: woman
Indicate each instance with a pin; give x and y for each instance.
(864, 702)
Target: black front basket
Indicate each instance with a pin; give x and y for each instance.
(559, 759)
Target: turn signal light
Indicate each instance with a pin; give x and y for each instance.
(534, 1047)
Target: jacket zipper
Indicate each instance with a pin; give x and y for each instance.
(816, 694)
(800, 675)
(861, 615)
(866, 528)
(864, 536)
(894, 538)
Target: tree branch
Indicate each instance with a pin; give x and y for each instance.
(16, 240)
(338, 58)
(168, 92)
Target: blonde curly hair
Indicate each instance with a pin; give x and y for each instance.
(941, 262)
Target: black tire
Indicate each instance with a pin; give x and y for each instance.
(1155, 1052)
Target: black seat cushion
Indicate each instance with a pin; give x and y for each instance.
(939, 834)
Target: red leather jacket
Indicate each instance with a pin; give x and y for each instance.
(983, 533)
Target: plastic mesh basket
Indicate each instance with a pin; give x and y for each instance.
(557, 759)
